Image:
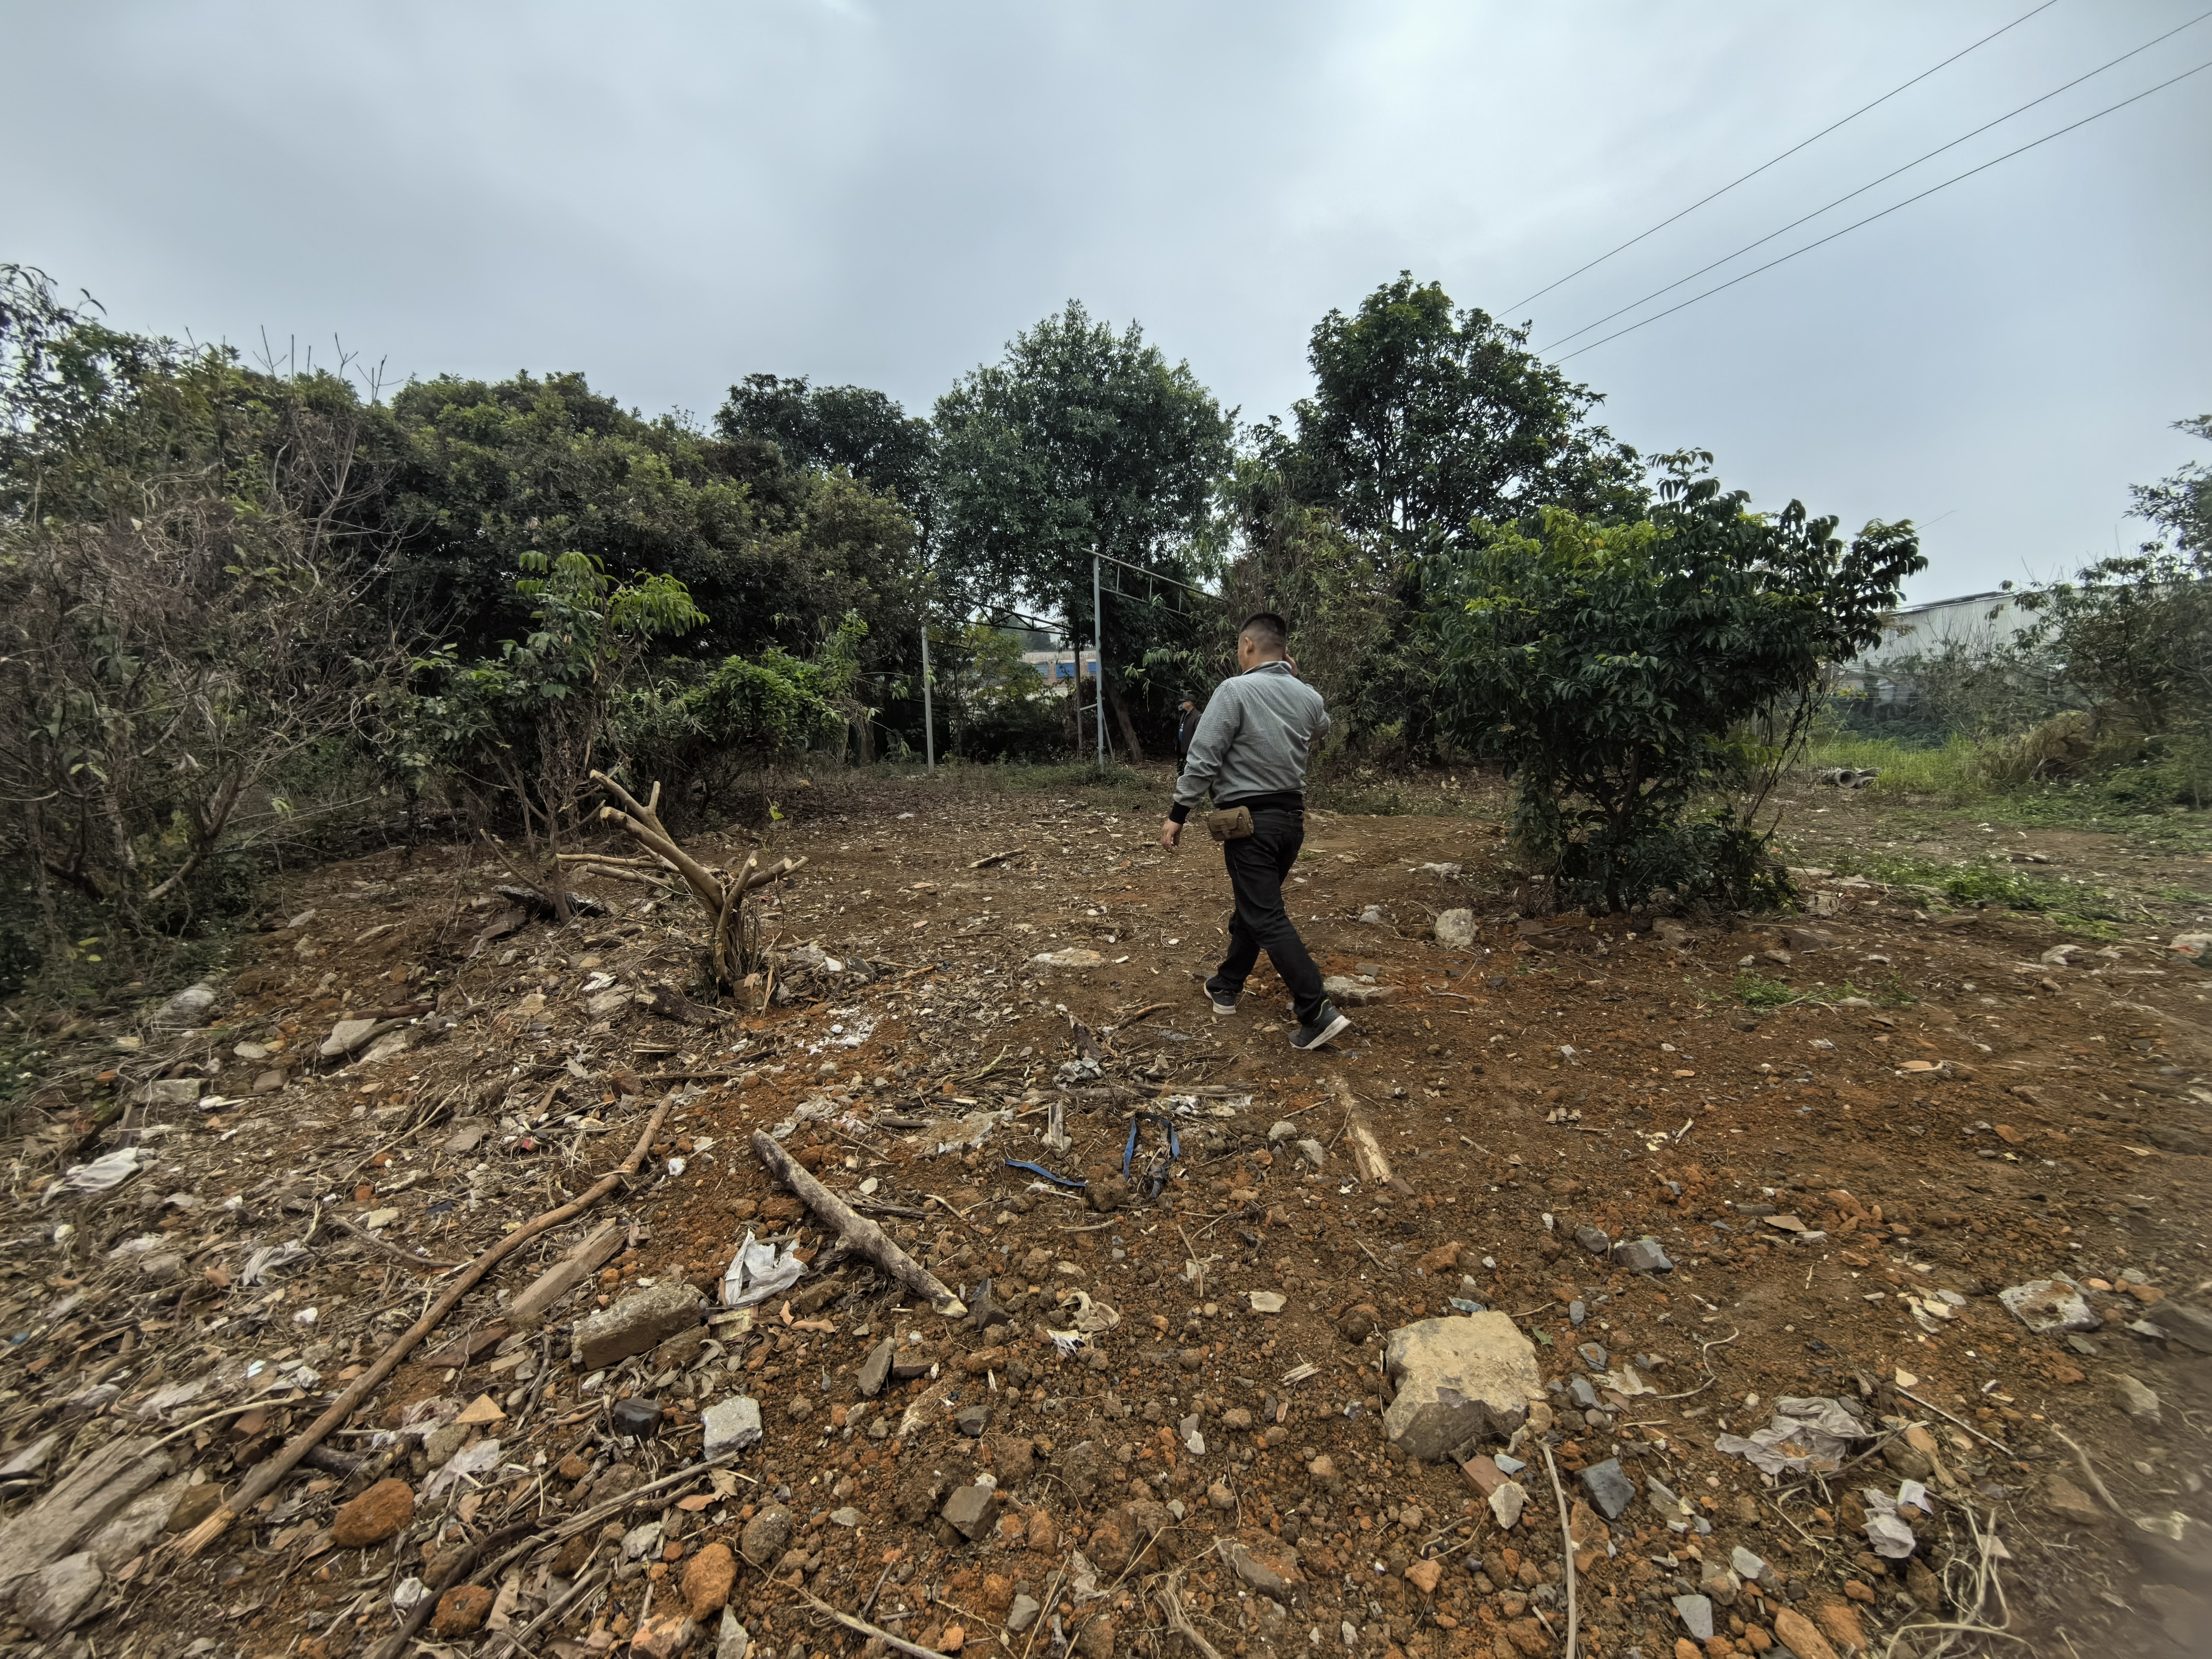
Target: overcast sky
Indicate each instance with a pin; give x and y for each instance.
(668, 197)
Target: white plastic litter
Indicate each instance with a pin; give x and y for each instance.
(108, 1170)
(1803, 1436)
(479, 1459)
(757, 1272)
(269, 1258)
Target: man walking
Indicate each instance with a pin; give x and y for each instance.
(1250, 751)
(1186, 729)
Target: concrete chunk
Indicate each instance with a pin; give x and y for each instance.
(731, 1425)
(1455, 930)
(1457, 1378)
(640, 1320)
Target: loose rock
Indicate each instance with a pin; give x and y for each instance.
(767, 1535)
(2047, 1304)
(1458, 1378)
(731, 1425)
(62, 1589)
(377, 1515)
(643, 1320)
(708, 1577)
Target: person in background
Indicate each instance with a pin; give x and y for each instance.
(1250, 749)
(1186, 729)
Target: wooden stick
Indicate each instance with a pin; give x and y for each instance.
(1567, 1538)
(866, 1629)
(855, 1231)
(1179, 1621)
(419, 1614)
(268, 1473)
(1960, 1421)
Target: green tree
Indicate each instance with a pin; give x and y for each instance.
(522, 730)
(2181, 505)
(854, 427)
(184, 571)
(1424, 418)
(2134, 632)
(1079, 442)
(1620, 671)
(774, 554)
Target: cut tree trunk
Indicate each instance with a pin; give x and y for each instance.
(1121, 718)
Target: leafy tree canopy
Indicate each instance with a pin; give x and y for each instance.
(1079, 441)
(771, 553)
(862, 430)
(1424, 418)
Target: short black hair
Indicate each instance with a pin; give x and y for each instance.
(1266, 631)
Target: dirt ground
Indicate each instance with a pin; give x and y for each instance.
(1917, 1108)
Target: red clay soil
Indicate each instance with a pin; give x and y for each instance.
(1841, 1185)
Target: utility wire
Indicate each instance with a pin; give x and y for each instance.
(1886, 212)
(1884, 179)
(1784, 156)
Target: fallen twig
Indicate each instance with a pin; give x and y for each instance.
(1960, 1421)
(270, 1472)
(1711, 1375)
(875, 1632)
(386, 1244)
(2095, 1479)
(1567, 1542)
(855, 1232)
(1179, 1621)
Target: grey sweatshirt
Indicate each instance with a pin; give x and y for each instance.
(1252, 740)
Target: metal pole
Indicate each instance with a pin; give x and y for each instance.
(1098, 655)
(928, 717)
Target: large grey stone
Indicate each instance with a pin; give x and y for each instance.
(50, 1602)
(187, 1009)
(1642, 1255)
(2135, 1398)
(732, 1640)
(731, 1425)
(643, 1320)
(969, 1510)
(876, 1369)
(1609, 1488)
(2049, 1304)
(1595, 1240)
(138, 1525)
(1022, 1613)
(1455, 930)
(1457, 1378)
(80, 1501)
(1697, 1613)
(1349, 992)
(347, 1036)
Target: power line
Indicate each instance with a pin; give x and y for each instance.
(1784, 156)
(1886, 211)
(1884, 179)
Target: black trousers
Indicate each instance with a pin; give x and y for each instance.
(1257, 865)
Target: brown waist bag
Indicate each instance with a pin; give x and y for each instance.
(1233, 825)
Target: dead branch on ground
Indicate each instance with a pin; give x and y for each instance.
(270, 1472)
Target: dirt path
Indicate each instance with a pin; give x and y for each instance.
(1915, 1108)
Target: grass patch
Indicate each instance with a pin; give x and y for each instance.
(1764, 994)
(1974, 885)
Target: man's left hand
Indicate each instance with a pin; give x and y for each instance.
(1170, 831)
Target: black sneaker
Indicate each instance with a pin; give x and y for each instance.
(1327, 1025)
(1223, 997)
